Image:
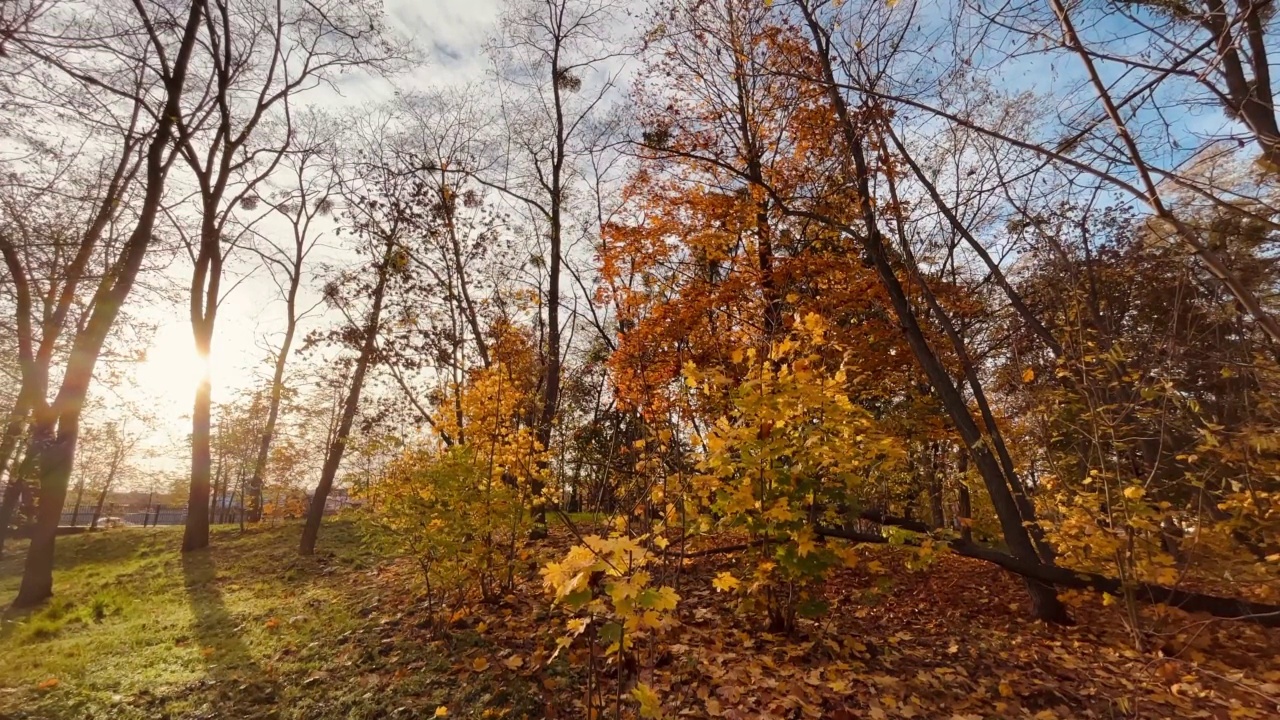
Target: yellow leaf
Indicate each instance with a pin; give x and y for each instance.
(1006, 690)
(805, 542)
(442, 711)
(577, 625)
(1028, 375)
(1108, 599)
(725, 582)
(514, 662)
(667, 599)
(650, 705)
(480, 664)
(1134, 492)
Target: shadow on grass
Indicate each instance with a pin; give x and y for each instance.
(226, 656)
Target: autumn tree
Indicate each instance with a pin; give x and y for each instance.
(303, 193)
(553, 63)
(259, 57)
(134, 84)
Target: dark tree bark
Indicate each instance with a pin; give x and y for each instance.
(97, 508)
(277, 389)
(75, 509)
(965, 509)
(333, 458)
(9, 506)
(936, 513)
(1045, 603)
(1051, 575)
(56, 429)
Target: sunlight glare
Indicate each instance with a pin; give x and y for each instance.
(173, 368)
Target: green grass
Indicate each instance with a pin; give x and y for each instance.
(246, 629)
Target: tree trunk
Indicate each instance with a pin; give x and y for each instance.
(9, 504)
(1045, 604)
(75, 510)
(333, 458)
(196, 534)
(937, 515)
(55, 460)
(97, 509)
(12, 433)
(218, 485)
(551, 380)
(965, 509)
(1034, 571)
(273, 411)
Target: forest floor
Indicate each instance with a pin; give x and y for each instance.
(249, 630)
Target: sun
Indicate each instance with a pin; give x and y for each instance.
(173, 369)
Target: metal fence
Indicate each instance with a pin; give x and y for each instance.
(117, 516)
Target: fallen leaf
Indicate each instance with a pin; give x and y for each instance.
(725, 582)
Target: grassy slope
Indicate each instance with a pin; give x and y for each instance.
(244, 630)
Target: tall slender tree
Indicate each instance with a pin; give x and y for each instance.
(168, 44)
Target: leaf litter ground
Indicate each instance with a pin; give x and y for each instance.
(265, 636)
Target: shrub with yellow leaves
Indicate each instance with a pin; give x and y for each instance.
(605, 586)
(793, 449)
(461, 508)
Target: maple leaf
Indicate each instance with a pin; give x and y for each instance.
(805, 542)
(480, 664)
(442, 711)
(666, 600)
(514, 662)
(650, 704)
(725, 582)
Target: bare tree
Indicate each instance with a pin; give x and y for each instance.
(556, 64)
(259, 56)
(149, 91)
(304, 202)
(377, 214)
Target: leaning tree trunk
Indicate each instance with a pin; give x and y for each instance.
(273, 412)
(333, 458)
(55, 454)
(55, 460)
(1044, 599)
